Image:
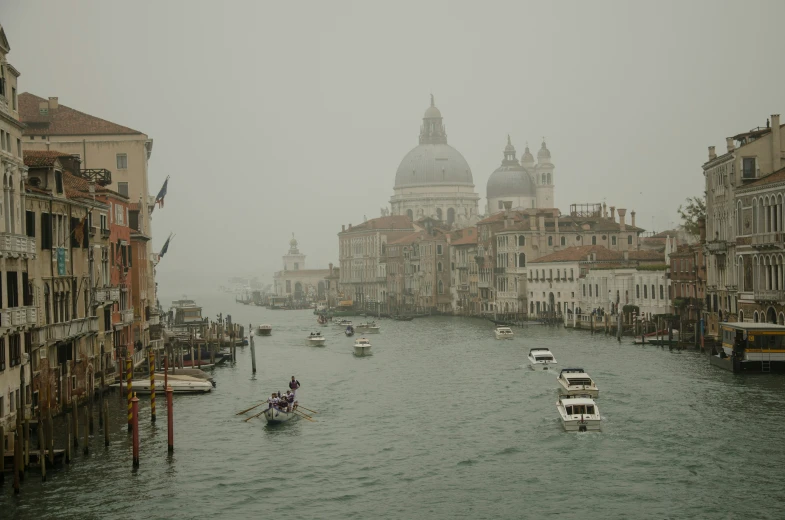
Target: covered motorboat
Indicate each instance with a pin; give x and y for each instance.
(575, 382)
(362, 347)
(541, 359)
(503, 333)
(316, 339)
(343, 323)
(370, 327)
(578, 414)
(263, 330)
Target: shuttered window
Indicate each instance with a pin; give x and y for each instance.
(46, 231)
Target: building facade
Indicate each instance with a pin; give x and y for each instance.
(298, 283)
(464, 279)
(434, 180)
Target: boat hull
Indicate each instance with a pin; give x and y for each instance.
(503, 336)
(316, 342)
(361, 351)
(263, 331)
(275, 416)
(543, 366)
(576, 425)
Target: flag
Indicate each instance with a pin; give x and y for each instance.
(165, 248)
(159, 199)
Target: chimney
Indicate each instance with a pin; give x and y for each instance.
(632, 218)
(53, 104)
(350, 225)
(729, 144)
(541, 225)
(343, 227)
(613, 213)
(556, 223)
(622, 223)
(776, 144)
(712, 153)
(594, 256)
(532, 222)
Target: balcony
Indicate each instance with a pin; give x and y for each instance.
(100, 295)
(484, 284)
(155, 319)
(69, 329)
(32, 315)
(17, 245)
(114, 294)
(105, 233)
(768, 240)
(127, 316)
(717, 247)
(769, 296)
(18, 317)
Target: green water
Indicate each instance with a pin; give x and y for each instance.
(442, 421)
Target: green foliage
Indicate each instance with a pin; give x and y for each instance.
(693, 209)
(627, 309)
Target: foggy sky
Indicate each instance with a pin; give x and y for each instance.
(276, 117)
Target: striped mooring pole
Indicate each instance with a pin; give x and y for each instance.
(135, 414)
(129, 369)
(152, 385)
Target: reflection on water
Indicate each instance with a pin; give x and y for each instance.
(442, 421)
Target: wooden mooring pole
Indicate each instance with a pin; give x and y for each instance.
(130, 372)
(170, 418)
(253, 356)
(75, 426)
(86, 447)
(135, 418)
(152, 386)
(105, 412)
(67, 437)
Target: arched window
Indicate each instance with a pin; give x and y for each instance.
(637, 291)
(521, 240)
(584, 290)
(563, 241)
(450, 216)
(439, 213)
(441, 287)
(593, 240)
(653, 294)
(47, 301)
(410, 214)
(662, 292)
(439, 267)
(550, 241)
(645, 292)
(754, 215)
(521, 260)
(613, 240)
(629, 240)
(739, 229)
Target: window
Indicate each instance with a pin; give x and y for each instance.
(584, 290)
(521, 240)
(13, 97)
(563, 241)
(15, 350)
(122, 162)
(439, 267)
(59, 181)
(439, 249)
(441, 287)
(629, 240)
(2, 366)
(2, 80)
(122, 188)
(30, 223)
(613, 241)
(593, 240)
(501, 204)
(550, 241)
(645, 291)
(637, 291)
(748, 168)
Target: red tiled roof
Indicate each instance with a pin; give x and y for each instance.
(64, 120)
(469, 237)
(389, 222)
(42, 158)
(648, 255)
(408, 239)
(778, 176)
(603, 254)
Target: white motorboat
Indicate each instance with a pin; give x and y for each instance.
(575, 382)
(316, 339)
(276, 416)
(263, 330)
(541, 359)
(371, 327)
(343, 323)
(362, 347)
(179, 384)
(503, 333)
(579, 414)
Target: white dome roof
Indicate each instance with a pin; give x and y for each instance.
(510, 181)
(433, 164)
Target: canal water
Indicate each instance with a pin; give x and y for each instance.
(442, 421)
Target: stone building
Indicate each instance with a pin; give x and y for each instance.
(464, 279)
(434, 180)
(362, 255)
(687, 277)
(613, 287)
(522, 185)
(298, 283)
(104, 145)
(740, 218)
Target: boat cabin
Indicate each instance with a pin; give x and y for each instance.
(751, 347)
(575, 377)
(541, 354)
(579, 409)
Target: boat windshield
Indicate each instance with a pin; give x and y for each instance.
(579, 381)
(543, 358)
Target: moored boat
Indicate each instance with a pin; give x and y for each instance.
(322, 320)
(575, 381)
(276, 416)
(403, 318)
(578, 414)
(655, 338)
(541, 359)
(263, 330)
(370, 326)
(342, 323)
(503, 333)
(316, 339)
(362, 347)
(179, 384)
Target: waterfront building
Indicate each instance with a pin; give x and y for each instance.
(464, 277)
(589, 277)
(297, 283)
(18, 253)
(523, 185)
(434, 180)
(362, 255)
(743, 215)
(510, 239)
(687, 277)
(124, 152)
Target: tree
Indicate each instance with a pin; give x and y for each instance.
(691, 212)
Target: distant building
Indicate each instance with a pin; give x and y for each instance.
(464, 280)
(523, 185)
(298, 283)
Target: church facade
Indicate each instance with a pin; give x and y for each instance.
(434, 180)
(524, 184)
(295, 281)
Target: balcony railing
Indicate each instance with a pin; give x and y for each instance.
(768, 240)
(114, 294)
(18, 317)
(69, 329)
(483, 285)
(155, 319)
(127, 316)
(100, 295)
(717, 247)
(769, 296)
(17, 244)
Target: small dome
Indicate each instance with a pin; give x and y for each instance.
(544, 153)
(509, 148)
(527, 159)
(432, 113)
(510, 179)
(293, 242)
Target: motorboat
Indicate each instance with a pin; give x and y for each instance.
(503, 333)
(349, 331)
(403, 318)
(263, 330)
(578, 414)
(179, 384)
(576, 382)
(541, 359)
(276, 416)
(658, 337)
(343, 323)
(316, 339)
(370, 326)
(362, 347)
(322, 320)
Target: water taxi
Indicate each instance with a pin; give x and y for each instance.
(316, 339)
(264, 330)
(578, 414)
(362, 347)
(503, 333)
(343, 323)
(541, 359)
(276, 416)
(371, 327)
(751, 347)
(575, 381)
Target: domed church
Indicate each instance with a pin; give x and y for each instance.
(434, 180)
(523, 184)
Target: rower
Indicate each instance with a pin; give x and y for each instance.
(294, 385)
(289, 400)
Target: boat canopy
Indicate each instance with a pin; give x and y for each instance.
(571, 371)
(539, 350)
(570, 401)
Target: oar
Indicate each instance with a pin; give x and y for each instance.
(249, 409)
(303, 407)
(305, 417)
(257, 415)
(302, 413)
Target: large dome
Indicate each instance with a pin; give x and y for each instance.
(433, 165)
(510, 181)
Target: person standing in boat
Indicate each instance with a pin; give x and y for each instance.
(293, 386)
